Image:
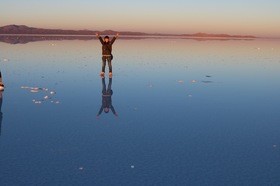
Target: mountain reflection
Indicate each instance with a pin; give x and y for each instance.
(23, 39)
(26, 39)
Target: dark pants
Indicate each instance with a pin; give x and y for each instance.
(107, 91)
(108, 58)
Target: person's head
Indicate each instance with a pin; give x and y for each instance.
(106, 38)
(106, 109)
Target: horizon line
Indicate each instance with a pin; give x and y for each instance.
(148, 33)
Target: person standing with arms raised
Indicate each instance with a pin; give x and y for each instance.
(107, 53)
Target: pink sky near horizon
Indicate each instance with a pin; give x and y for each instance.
(178, 17)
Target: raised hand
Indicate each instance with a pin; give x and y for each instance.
(117, 35)
(97, 35)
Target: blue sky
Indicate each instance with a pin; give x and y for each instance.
(257, 17)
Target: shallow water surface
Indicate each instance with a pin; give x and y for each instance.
(187, 112)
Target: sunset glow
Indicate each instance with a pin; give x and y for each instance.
(260, 18)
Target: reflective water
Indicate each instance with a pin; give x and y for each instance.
(187, 112)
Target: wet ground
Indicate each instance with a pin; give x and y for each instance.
(187, 112)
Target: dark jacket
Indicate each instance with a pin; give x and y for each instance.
(106, 102)
(106, 47)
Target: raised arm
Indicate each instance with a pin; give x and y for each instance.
(113, 110)
(100, 111)
(100, 38)
(114, 38)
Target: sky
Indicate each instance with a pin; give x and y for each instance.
(245, 17)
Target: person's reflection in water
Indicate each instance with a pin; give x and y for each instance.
(1, 99)
(107, 98)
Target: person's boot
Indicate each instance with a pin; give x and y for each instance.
(102, 74)
(1, 86)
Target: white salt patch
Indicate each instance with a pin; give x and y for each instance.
(25, 87)
(194, 81)
(180, 81)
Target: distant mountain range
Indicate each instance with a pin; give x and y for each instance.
(25, 30)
